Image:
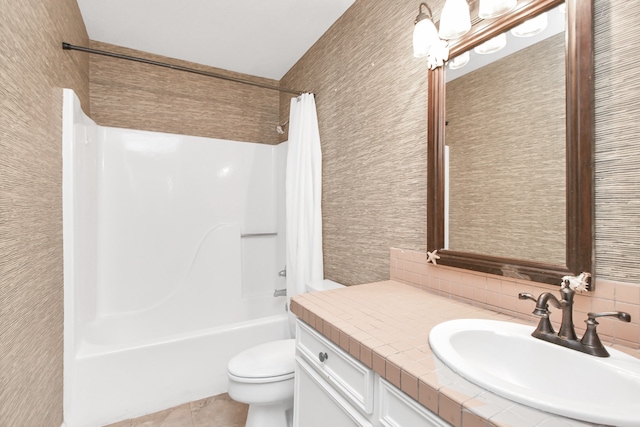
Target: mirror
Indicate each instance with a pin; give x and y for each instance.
(505, 147)
(513, 207)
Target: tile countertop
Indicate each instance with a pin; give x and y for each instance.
(386, 326)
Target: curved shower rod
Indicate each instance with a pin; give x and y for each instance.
(67, 46)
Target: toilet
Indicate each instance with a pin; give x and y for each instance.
(262, 376)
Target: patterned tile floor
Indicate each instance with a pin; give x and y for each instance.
(215, 411)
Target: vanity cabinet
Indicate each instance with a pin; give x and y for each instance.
(333, 389)
(396, 409)
(317, 404)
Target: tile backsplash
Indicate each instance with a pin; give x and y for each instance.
(501, 294)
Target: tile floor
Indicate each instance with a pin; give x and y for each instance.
(215, 411)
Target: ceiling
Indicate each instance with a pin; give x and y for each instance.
(262, 38)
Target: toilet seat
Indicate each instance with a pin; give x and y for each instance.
(264, 380)
(270, 362)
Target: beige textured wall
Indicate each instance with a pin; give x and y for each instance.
(139, 96)
(33, 71)
(372, 100)
(372, 113)
(507, 169)
(617, 152)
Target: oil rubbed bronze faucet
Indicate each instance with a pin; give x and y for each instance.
(566, 337)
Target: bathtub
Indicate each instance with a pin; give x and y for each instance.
(116, 382)
(172, 248)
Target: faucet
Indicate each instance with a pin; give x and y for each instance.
(566, 336)
(281, 292)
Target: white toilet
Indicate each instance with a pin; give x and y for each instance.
(262, 376)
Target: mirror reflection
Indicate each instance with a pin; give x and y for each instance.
(505, 159)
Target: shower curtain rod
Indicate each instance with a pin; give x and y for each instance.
(67, 46)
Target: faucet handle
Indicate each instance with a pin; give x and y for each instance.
(524, 295)
(539, 311)
(544, 326)
(620, 315)
(591, 338)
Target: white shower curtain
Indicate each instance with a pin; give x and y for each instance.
(303, 196)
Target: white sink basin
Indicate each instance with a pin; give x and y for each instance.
(505, 359)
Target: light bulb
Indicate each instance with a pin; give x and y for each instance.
(459, 61)
(531, 27)
(455, 20)
(492, 45)
(424, 35)
(493, 8)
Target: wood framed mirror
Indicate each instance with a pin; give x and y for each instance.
(579, 146)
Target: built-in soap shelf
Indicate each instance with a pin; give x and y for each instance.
(248, 235)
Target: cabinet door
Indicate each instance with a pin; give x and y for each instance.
(399, 410)
(317, 404)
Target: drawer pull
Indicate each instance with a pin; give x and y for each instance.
(323, 356)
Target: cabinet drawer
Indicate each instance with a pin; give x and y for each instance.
(317, 404)
(399, 410)
(350, 377)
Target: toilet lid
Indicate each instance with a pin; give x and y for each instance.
(272, 359)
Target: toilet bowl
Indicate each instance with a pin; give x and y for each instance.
(263, 376)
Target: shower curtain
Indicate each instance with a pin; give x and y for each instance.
(303, 196)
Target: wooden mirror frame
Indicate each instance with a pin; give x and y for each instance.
(580, 254)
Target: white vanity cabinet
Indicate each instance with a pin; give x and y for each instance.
(396, 409)
(332, 389)
(317, 404)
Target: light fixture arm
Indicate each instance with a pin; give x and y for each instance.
(420, 16)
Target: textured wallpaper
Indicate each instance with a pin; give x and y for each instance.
(506, 136)
(617, 152)
(372, 111)
(33, 72)
(139, 96)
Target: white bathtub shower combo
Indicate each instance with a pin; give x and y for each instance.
(172, 250)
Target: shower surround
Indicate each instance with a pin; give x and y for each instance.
(172, 246)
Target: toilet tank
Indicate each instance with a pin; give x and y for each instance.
(318, 285)
(323, 285)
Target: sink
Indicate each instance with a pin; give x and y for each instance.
(504, 358)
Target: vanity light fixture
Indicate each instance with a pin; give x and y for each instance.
(455, 20)
(459, 61)
(424, 32)
(492, 45)
(532, 26)
(493, 8)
